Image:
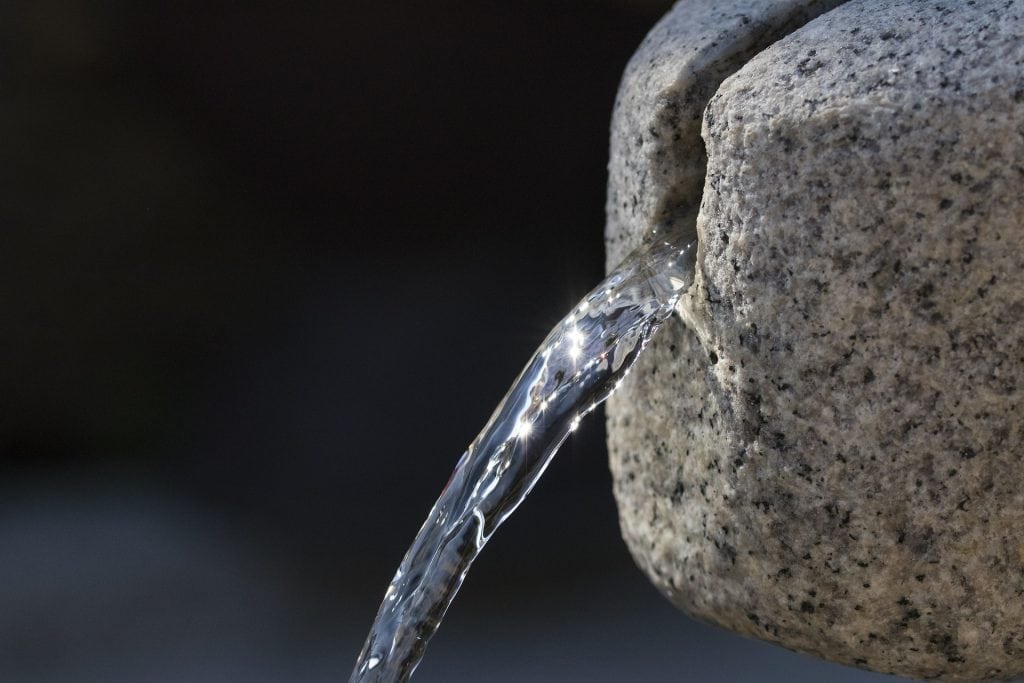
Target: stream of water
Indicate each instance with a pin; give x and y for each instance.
(577, 367)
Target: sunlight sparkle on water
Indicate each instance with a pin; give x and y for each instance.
(575, 339)
(523, 429)
(579, 364)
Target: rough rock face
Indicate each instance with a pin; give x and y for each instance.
(657, 160)
(830, 456)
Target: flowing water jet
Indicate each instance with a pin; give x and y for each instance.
(577, 367)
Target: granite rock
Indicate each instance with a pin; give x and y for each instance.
(828, 455)
(657, 161)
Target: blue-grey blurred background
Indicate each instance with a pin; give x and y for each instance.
(266, 268)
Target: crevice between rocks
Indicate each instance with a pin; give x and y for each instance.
(710, 41)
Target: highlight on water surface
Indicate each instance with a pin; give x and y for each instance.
(577, 367)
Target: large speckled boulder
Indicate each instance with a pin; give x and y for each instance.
(829, 454)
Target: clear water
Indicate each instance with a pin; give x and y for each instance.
(577, 367)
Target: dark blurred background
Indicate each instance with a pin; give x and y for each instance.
(265, 272)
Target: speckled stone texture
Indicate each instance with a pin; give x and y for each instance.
(657, 160)
(830, 455)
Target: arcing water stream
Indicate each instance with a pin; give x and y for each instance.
(577, 367)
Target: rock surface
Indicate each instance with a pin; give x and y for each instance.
(657, 160)
(830, 456)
